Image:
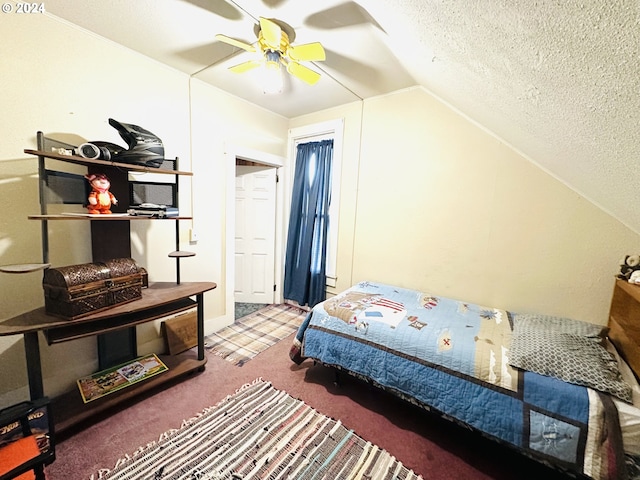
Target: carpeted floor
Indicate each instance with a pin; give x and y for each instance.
(428, 445)
(258, 433)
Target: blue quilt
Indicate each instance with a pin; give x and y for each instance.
(453, 357)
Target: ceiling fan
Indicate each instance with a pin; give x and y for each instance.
(274, 45)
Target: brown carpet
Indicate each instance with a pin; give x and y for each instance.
(430, 446)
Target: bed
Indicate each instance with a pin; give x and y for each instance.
(555, 389)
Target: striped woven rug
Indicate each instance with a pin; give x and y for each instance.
(259, 433)
(250, 335)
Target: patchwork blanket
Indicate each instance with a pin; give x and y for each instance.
(453, 357)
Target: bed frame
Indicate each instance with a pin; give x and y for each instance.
(624, 323)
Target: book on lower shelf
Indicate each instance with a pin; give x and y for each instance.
(113, 379)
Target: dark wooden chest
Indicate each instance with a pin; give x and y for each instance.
(75, 291)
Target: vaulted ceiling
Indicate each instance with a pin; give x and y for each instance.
(557, 80)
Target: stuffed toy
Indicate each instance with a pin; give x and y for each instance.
(630, 268)
(100, 199)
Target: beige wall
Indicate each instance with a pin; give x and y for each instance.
(67, 83)
(220, 124)
(437, 203)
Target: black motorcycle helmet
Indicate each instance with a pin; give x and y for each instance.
(144, 147)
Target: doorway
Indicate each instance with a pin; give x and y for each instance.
(255, 233)
(237, 155)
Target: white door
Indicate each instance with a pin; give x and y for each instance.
(255, 234)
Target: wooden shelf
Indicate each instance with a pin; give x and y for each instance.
(76, 330)
(158, 300)
(101, 218)
(181, 254)
(24, 267)
(88, 162)
(69, 409)
(154, 299)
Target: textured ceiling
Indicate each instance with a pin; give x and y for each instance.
(558, 80)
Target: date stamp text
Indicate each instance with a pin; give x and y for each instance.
(23, 7)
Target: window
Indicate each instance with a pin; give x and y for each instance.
(313, 133)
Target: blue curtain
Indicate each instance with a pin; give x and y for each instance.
(304, 270)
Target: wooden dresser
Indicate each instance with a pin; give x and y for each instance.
(624, 322)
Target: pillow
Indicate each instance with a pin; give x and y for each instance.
(569, 350)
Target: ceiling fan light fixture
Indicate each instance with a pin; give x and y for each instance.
(274, 43)
(272, 73)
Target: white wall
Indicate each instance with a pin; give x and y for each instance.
(67, 83)
(431, 201)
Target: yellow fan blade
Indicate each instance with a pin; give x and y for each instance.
(235, 43)
(271, 33)
(303, 73)
(309, 52)
(245, 66)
